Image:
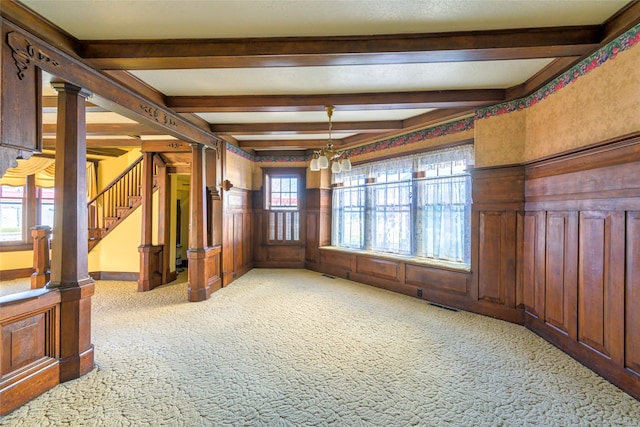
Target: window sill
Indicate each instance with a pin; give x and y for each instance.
(428, 262)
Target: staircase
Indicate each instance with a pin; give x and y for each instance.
(116, 202)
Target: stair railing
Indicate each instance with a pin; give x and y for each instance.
(103, 208)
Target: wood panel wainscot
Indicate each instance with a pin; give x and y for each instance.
(238, 223)
(30, 336)
(497, 222)
(581, 257)
(444, 286)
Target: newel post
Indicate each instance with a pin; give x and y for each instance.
(40, 235)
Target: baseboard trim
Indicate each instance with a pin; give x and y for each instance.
(115, 275)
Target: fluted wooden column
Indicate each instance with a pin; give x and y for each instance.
(69, 266)
(199, 289)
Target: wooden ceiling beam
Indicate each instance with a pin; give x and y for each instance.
(297, 143)
(50, 143)
(132, 129)
(353, 101)
(525, 43)
(289, 128)
(50, 105)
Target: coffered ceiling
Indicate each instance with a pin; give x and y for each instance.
(259, 73)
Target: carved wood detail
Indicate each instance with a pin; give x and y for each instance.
(24, 53)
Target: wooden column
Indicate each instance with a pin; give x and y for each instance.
(214, 182)
(31, 206)
(148, 253)
(199, 289)
(40, 235)
(69, 267)
(164, 219)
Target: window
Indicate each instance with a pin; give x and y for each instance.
(45, 201)
(414, 206)
(21, 209)
(282, 201)
(11, 213)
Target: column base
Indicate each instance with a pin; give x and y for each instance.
(204, 268)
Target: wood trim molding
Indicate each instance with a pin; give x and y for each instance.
(108, 93)
(17, 273)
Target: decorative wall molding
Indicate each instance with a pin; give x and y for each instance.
(413, 137)
(410, 138)
(606, 53)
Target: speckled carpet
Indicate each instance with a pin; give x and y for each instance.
(295, 348)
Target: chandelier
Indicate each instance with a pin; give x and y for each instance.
(339, 160)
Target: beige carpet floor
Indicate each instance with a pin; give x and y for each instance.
(295, 348)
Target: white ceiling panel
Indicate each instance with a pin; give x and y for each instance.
(140, 19)
(311, 116)
(344, 79)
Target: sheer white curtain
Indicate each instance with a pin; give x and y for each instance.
(417, 205)
(443, 213)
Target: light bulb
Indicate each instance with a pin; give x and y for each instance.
(323, 162)
(314, 166)
(335, 167)
(346, 164)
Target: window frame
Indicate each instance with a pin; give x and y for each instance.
(456, 183)
(31, 216)
(267, 175)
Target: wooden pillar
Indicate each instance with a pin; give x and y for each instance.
(199, 289)
(164, 218)
(214, 183)
(31, 205)
(146, 249)
(69, 267)
(40, 235)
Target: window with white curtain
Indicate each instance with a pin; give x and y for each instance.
(417, 205)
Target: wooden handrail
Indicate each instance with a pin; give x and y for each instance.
(114, 201)
(118, 178)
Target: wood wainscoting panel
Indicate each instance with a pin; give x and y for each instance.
(632, 306)
(497, 239)
(30, 346)
(238, 241)
(23, 342)
(340, 260)
(237, 236)
(534, 263)
(601, 283)
(376, 267)
(284, 254)
(437, 279)
(560, 294)
(497, 253)
(312, 254)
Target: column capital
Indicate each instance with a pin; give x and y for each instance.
(62, 86)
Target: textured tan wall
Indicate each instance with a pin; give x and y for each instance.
(602, 104)
(500, 140)
(598, 106)
(239, 171)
